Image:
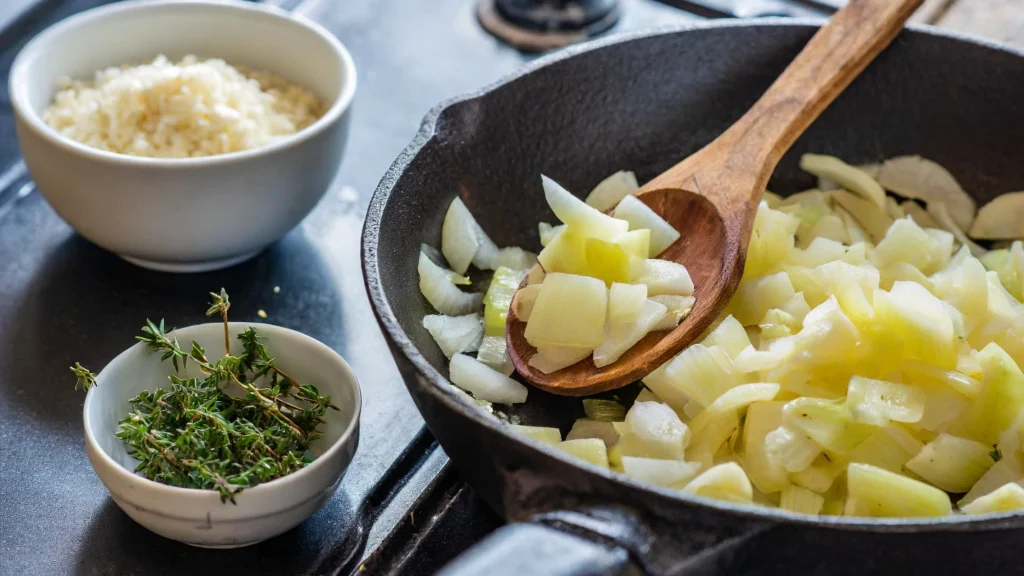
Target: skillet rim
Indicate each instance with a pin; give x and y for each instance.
(439, 385)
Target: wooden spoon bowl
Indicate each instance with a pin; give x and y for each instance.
(711, 198)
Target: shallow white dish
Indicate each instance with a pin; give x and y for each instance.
(193, 214)
(198, 517)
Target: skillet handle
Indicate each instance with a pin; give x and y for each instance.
(539, 550)
(608, 542)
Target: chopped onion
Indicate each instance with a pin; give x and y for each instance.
(678, 308)
(849, 177)
(461, 236)
(484, 382)
(437, 286)
(604, 410)
(1009, 497)
(548, 232)
(665, 277)
(542, 434)
(921, 179)
(523, 301)
(570, 311)
(455, 334)
(1002, 218)
(586, 428)
(654, 430)
(578, 215)
(723, 482)
(673, 473)
(870, 217)
(640, 217)
(494, 353)
(609, 191)
(437, 258)
(626, 302)
(945, 220)
(619, 338)
(735, 399)
(550, 359)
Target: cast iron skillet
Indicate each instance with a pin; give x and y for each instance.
(642, 102)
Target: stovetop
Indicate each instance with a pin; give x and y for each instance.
(401, 508)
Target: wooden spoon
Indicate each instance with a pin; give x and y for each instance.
(711, 197)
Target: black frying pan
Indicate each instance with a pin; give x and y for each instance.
(642, 102)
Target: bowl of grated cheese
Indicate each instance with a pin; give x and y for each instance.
(183, 135)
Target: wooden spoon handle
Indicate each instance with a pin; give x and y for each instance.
(733, 170)
(835, 55)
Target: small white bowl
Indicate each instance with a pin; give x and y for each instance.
(192, 214)
(198, 517)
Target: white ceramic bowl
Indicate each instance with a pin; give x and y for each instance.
(188, 214)
(198, 517)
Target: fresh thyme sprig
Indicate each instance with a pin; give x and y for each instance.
(194, 434)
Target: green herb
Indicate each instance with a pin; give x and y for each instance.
(194, 434)
(995, 454)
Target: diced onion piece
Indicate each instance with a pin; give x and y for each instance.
(590, 450)
(905, 242)
(893, 210)
(921, 320)
(696, 374)
(436, 285)
(856, 232)
(723, 427)
(455, 334)
(829, 424)
(548, 232)
(635, 242)
(801, 500)
(951, 463)
(1008, 469)
(881, 493)
(1009, 497)
(586, 428)
(849, 177)
(498, 298)
(437, 258)
(890, 448)
(541, 434)
(956, 380)
(918, 214)
(792, 450)
(770, 242)
(818, 477)
(728, 335)
(1000, 402)
(460, 236)
(619, 338)
(640, 217)
(678, 308)
(524, 300)
(673, 473)
(490, 257)
(1002, 218)
(494, 353)
(578, 215)
(663, 277)
(723, 482)
(878, 401)
(754, 298)
(762, 418)
(612, 189)
(947, 222)
(654, 431)
(550, 359)
(604, 410)
(565, 253)
(484, 382)
(570, 311)
(919, 178)
(870, 217)
(608, 261)
(735, 399)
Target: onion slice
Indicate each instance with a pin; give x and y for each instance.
(612, 189)
(640, 217)
(484, 382)
(437, 286)
(455, 334)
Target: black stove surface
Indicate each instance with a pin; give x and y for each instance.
(401, 507)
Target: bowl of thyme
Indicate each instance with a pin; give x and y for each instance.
(222, 434)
